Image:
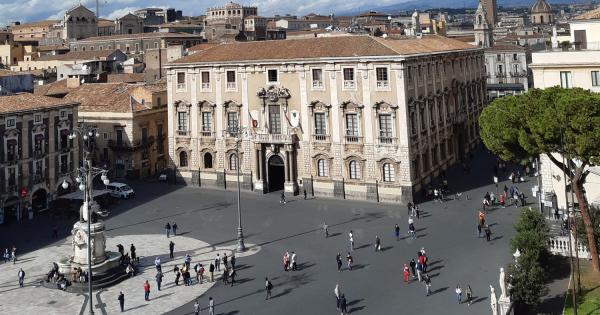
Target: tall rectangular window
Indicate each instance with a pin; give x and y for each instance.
(385, 126)
(565, 79)
(320, 128)
(206, 121)
(349, 82)
(119, 134)
(181, 80)
(182, 121)
(231, 80)
(205, 80)
(274, 119)
(351, 125)
(595, 78)
(317, 78)
(232, 120)
(382, 77)
(144, 135)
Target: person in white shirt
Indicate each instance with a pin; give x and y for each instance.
(218, 263)
(294, 261)
(351, 239)
(337, 293)
(211, 306)
(157, 263)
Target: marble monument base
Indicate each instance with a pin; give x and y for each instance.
(504, 305)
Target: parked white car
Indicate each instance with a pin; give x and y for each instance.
(120, 190)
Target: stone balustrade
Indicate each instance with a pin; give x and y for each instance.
(559, 245)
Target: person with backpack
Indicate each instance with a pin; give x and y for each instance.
(268, 287)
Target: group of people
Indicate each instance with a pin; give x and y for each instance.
(290, 261)
(127, 260)
(10, 255)
(340, 300)
(469, 293)
(79, 275)
(171, 227)
(418, 269)
(482, 227)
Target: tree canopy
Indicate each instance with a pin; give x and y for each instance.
(549, 121)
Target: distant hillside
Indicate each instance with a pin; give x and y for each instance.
(455, 4)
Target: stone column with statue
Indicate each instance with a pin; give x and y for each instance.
(504, 300)
(493, 301)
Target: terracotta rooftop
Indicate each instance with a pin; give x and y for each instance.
(202, 47)
(590, 15)
(29, 102)
(106, 97)
(138, 36)
(58, 88)
(36, 24)
(125, 77)
(80, 55)
(52, 48)
(8, 73)
(324, 47)
(505, 47)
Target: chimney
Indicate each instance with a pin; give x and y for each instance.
(73, 83)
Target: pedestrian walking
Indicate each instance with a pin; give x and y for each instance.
(412, 264)
(350, 260)
(478, 230)
(134, 258)
(286, 261)
(174, 229)
(351, 239)
(409, 207)
(159, 278)
(187, 260)
(171, 249)
(218, 263)
(397, 232)
(458, 291)
(146, 291)
(412, 231)
(21, 276)
(196, 308)
(6, 255)
(336, 292)
(488, 233)
(282, 201)
(338, 259)
(225, 261)
(211, 272)
(417, 212)
(225, 276)
(377, 243)
(268, 288)
(469, 295)
(294, 257)
(157, 263)
(232, 260)
(326, 229)
(211, 306)
(177, 274)
(304, 192)
(14, 254)
(427, 285)
(121, 299)
(405, 273)
(232, 274)
(343, 305)
(168, 229)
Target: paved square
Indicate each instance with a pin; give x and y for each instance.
(446, 230)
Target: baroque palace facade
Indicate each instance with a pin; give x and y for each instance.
(353, 117)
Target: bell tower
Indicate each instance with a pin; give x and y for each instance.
(484, 36)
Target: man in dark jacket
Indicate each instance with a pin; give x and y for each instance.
(159, 277)
(343, 305)
(121, 299)
(171, 249)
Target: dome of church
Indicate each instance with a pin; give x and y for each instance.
(541, 6)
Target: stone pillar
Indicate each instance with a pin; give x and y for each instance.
(504, 305)
(290, 184)
(287, 166)
(259, 183)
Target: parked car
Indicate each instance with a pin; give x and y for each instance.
(120, 190)
(162, 177)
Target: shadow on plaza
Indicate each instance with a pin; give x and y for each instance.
(479, 174)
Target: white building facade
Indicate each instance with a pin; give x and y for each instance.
(352, 117)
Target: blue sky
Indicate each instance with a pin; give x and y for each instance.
(33, 10)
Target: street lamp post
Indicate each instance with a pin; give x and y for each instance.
(84, 177)
(238, 133)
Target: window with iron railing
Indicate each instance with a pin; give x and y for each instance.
(382, 78)
(206, 124)
(205, 80)
(181, 80)
(182, 123)
(231, 82)
(349, 80)
(317, 78)
(388, 172)
(385, 129)
(320, 124)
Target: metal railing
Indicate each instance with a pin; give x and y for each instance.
(205, 86)
(321, 138)
(349, 84)
(383, 84)
(207, 134)
(353, 139)
(182, 133)
(387, 140)
(231, 85)
(317, 84)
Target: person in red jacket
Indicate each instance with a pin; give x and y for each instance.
(146, 291)
(406, 273)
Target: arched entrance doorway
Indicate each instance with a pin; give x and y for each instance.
(276, 173)
(11, 208)
(39, 200)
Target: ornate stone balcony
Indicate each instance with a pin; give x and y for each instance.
(273, 138)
